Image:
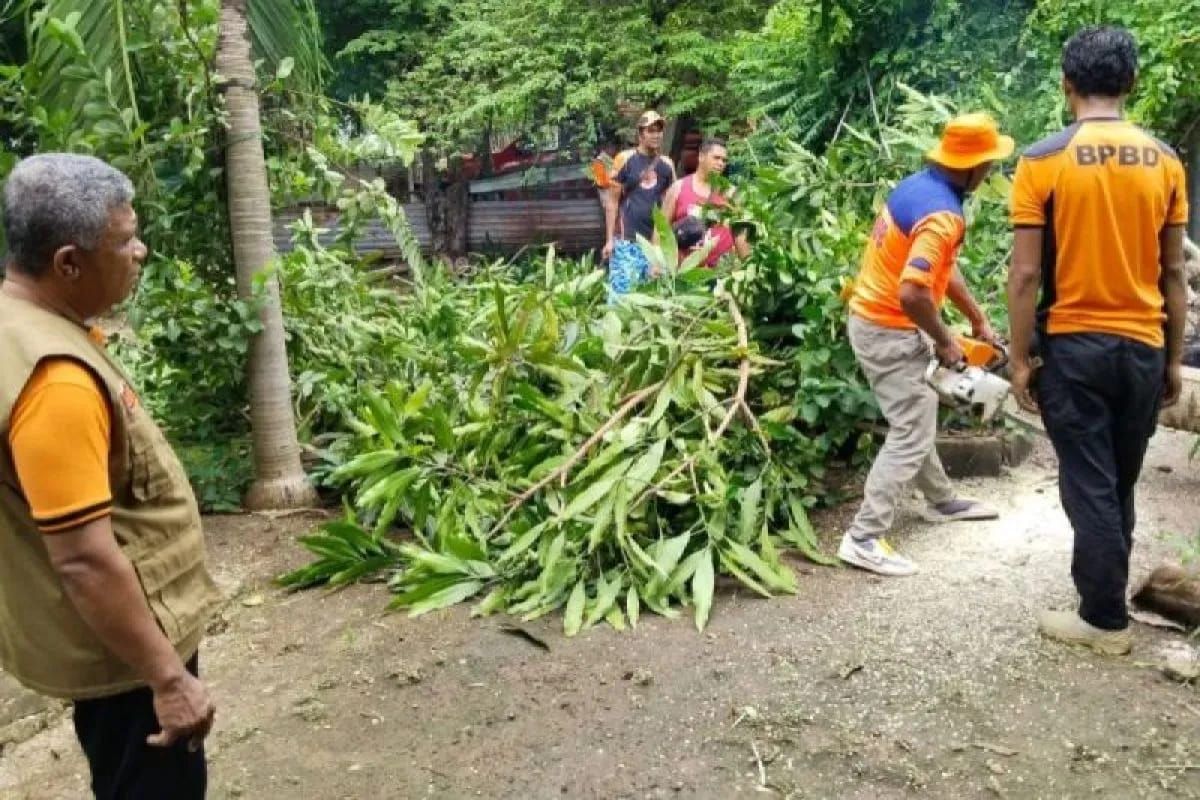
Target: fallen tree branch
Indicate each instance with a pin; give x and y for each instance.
(738, 402)
(753, 420)
(635, 400)
(631, 402)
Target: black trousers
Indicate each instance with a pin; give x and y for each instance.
(1100, 396)
(113, 731)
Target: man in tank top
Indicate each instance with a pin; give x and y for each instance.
(694, 195)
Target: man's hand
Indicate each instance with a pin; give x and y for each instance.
(983, 331)
(607, 252)
(951, 355)
(184, 711)
(1020, 376)
(1174, 385)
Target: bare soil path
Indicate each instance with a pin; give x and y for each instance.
(934, 686)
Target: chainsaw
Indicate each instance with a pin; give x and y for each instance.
(972, 384)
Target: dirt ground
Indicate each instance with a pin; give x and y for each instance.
(858, 687)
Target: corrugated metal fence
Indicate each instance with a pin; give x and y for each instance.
(571, 218)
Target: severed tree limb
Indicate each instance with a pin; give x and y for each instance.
(753, 420)
(737, 402)
(634, 400)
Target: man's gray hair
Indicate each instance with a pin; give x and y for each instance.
(57, 199)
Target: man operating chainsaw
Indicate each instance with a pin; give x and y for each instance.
(1099, 211)
(908, 270)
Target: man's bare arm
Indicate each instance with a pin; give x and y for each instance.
(1174, 289)
(1024, 279)
(917, 302)
(612, 202)
(741, 245)
(960, 294)
(670, 199)
(103, 586)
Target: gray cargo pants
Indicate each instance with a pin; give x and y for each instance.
(894, 362)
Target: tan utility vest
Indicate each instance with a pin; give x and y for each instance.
(44, 642)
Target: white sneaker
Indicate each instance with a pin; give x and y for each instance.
(875, 555)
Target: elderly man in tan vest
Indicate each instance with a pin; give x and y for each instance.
(104, 593)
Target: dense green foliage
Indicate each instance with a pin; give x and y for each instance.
(131, 81)
(548, 452)
(465, 68)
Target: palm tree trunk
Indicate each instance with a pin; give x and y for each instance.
(279, 480)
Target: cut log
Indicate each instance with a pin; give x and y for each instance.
(1173, 592)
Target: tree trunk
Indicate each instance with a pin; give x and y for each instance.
(1174, 593)
(458, 209)
(447, 205)
(279, 479)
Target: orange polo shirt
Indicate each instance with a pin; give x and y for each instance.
(916, 239)
(59, 434)
(1102, 190)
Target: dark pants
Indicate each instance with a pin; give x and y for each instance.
(1100, 396)
(113, 731)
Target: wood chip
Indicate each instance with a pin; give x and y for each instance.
(998, 749)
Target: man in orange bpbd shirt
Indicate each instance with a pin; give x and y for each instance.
(908, 270)
(1099, 211)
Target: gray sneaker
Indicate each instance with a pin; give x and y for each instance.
(960, 508)
(875, 555)
(1069, 627)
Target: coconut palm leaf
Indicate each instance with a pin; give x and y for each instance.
(68, 37)
(283, 29)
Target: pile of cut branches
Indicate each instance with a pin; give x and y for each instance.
(542, 450)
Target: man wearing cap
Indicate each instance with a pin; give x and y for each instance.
(643, 176)
(1099, 211)
(908, 270)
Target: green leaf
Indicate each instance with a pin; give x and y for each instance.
(606, 598)
(573, 617)
(601, 462)
(601, 524)
(589, 497)
(666, 240)
(668, 552)
(524, 542)
(646, 467)
(285, 68)
(494, 601)
(437, 563)
(702, 589)
(751, 499)
(633, 606)
(731, 566)
(780, 579)
(412, 591)
(801, 535)
(416, 401)
(683, 572)
(615, 618)
(445, 598)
